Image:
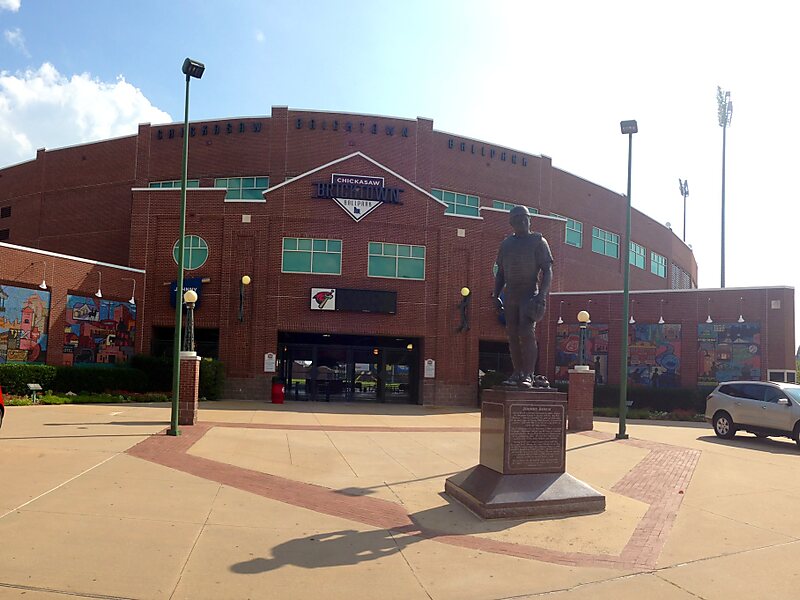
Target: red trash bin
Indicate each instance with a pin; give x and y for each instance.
(278, 392)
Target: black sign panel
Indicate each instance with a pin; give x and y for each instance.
(368, 301)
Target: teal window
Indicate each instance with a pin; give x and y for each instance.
(307, 255)
(573, 235)
(508, 206)
(637, 255)
(458, 204)
(190, 183)
(658, 265)
(243, 188)
(605, 242)
(398, 261)
(195, 252)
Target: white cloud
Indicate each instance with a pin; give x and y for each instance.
(259, 36)
(42, 107)
(12, 5)
(16, 39)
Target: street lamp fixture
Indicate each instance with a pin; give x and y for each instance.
(627, 128)
(190, 299)
(583, 319)
(191, 68)
(243, 282)
(99, 292)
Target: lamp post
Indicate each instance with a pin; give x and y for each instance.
(628, 128)
(189, 298)
(725, 114)
(191, 68)
(583, 319)
(684, 186)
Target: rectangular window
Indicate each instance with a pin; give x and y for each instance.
(243, 188)
(573, 231)
(605, 242)
(658, 265)
(458, 204)
(398, 261)
(637, 255)
(307, 255)
(4, 234)
(5, 212)
(190, 183)
(508, 206)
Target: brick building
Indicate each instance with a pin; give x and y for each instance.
(387, 258)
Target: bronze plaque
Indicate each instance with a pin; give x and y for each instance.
(536, 440)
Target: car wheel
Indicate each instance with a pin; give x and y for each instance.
(724, 426)
(796, 433)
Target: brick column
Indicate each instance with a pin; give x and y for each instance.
(580, 404)
(189, 386)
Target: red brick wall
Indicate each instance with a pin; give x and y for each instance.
(22, 267)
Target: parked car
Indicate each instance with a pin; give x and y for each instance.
(763, 408)
(2, 407)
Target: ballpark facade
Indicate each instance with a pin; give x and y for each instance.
(360, 237)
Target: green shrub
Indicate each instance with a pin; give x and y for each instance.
(99, 379)
(212, 379)
(15, 377)
(158, 369)
(654, 399)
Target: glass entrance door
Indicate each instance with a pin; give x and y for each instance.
(365, 375)
(396, 375)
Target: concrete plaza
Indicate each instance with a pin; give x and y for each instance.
(308, 500)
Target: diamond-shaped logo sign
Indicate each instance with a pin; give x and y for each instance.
(358, 195)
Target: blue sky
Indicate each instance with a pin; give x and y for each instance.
(541, 77)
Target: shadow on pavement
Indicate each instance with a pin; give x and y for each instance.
(773, 446)
(356, 408)
(337, 548)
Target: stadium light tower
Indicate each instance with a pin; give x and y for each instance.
(191, 68)
(725, 114)
(684, 185)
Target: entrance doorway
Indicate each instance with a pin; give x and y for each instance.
(347, 368)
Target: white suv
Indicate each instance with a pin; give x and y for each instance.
(762, 408)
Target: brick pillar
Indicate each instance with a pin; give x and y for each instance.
(189, 385)
(580, 404)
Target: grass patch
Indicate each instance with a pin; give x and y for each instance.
(678, 414)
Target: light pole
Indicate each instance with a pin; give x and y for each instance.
(628, 128)
(189, 298)
(725, 114)
(191, 68)
(684, 185)
(583, 319)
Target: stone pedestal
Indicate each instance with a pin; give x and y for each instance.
(189, 386)
(580, 407)
(522, 470)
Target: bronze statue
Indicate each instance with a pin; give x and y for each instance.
(520, 261)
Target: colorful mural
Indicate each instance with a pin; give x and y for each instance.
(23, 324)
(654, 355)
(98, 331)
(568, 345)
(728, 351)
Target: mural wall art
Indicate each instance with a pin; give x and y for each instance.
(654, 355)
(23, 324)
(568, 345)
(728, 351)
(98, 331)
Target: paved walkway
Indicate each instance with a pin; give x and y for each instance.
(345, 501)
